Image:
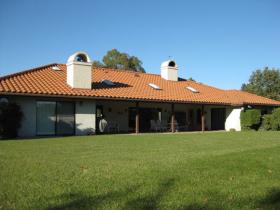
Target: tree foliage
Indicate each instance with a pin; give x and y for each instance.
(264, 82)
(117, 60)
(275, 120)
(10, 119)
(271, 121)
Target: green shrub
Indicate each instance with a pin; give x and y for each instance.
(275, 120)
(10, 120)
(250, 119)
(266, 123)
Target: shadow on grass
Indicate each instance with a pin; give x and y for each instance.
(129, 200)
(86, 202)
(271, 201)
(151, 201)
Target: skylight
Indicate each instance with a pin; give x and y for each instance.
(154, 86)
(55, 68)
(108, 82)
(192, 89)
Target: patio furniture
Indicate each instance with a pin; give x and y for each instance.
(113, 127)
(163, 125)
(155, 126)
(103, 125)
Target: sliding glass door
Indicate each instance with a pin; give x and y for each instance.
(55, 118)
(46, 117)
(65, 118)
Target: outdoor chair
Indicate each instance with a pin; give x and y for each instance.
(154, 126)
(162, 125)
(113, 127)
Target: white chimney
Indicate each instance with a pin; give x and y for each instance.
(169, 70)
(79, 67)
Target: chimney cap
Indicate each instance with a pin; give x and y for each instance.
(79, 56)
(168, 64)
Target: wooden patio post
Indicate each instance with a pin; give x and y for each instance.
(137, 118)
(172, 119)
(202, 119)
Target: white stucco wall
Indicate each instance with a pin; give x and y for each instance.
(233, 119)
(79, 75)
(85, 117)
(115, 111)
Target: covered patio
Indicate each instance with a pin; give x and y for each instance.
(141, 117)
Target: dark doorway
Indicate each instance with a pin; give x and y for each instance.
(99, 116)
(181, 119)
(218, 119)
(191, 119)
(145, 117)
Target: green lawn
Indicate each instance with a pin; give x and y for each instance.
(237, 170)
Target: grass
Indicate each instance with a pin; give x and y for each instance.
(236, 170)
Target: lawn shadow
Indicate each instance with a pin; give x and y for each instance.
(272, 200)
(129, 199)
(82, 201)
(151, 201)
(86, 202)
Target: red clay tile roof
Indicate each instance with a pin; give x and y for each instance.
(129, 86)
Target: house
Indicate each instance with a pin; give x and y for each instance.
(77, 99)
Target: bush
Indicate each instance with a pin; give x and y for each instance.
(266, 123)
(275, 120)
(250, 119)
(10, 120)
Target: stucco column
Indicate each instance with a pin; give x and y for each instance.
(202, 119)
(172, 119)
(137, 118)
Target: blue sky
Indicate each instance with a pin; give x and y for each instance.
(216, 42)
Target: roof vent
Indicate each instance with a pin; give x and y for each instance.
(192, 89)
(108, 82)
(56, 68)
(154, 86)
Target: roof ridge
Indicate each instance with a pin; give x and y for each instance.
(28, 70)
(123, 70)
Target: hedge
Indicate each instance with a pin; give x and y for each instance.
(275, 120)
(266, 123)
(250, 119)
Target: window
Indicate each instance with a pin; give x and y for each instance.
(55, 118)
(154, 86)
(108, 82)
(46, 117)
(192, 89)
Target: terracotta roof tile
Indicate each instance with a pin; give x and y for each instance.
(129, 86)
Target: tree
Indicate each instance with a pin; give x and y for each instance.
(265, 83)
(117, 60)
(10, 119)
(191, 79)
